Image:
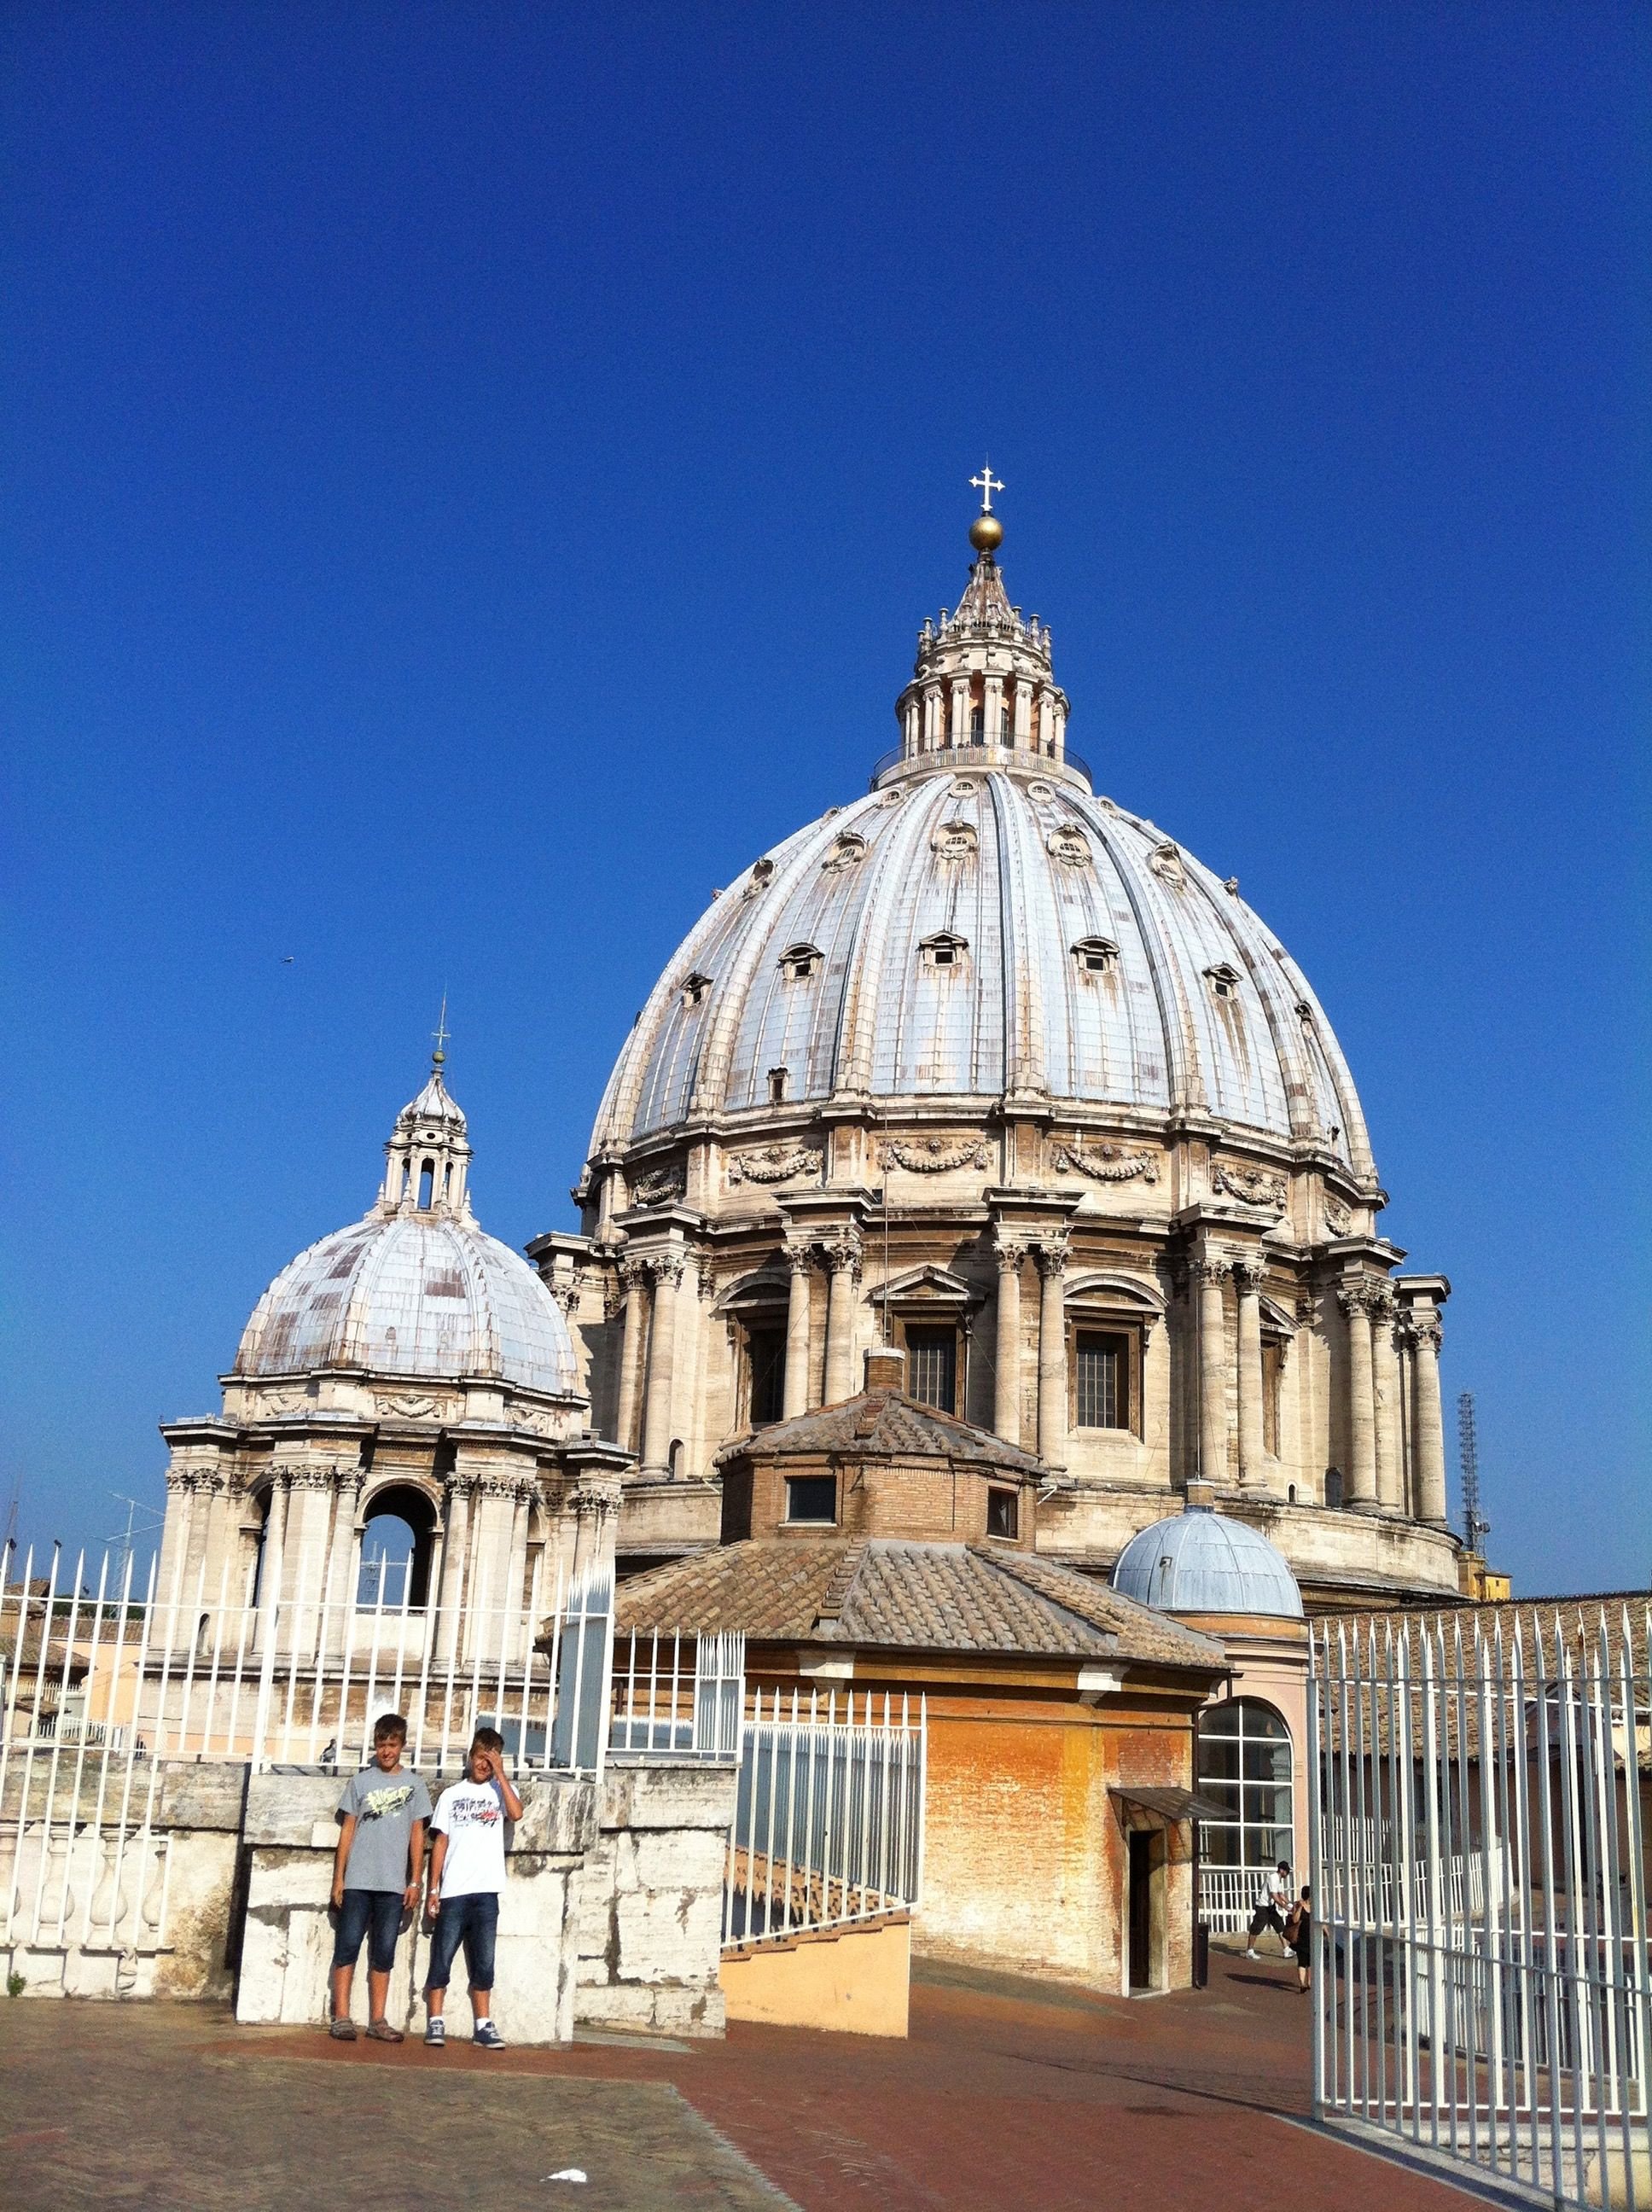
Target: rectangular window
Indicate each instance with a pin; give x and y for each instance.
(932, 1368)
(1103, 1365)
(1003, 1513)
(766, 1352)
(812, 1499)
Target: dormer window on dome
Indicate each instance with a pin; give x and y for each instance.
(800, 961)
(1095, 955)
(1223, 980)
(694, 988)
(846, 850)
(942, 950)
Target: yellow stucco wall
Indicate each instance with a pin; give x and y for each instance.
(854, 1980)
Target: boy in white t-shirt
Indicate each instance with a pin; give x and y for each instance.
(467, 1873)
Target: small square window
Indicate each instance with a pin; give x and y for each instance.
(1003, 1514)
(778, 1078)
(811, 1499)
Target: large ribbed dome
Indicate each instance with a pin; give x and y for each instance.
(972, 932)
(415, 1287)
(1204, 1562)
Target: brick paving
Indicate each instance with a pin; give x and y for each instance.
(1009, 2094)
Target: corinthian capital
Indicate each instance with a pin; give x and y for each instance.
(666, 1268)
(842, 1250)
(1009, 1252)
(800, 1255)
(1210, 1269)
(1050, 1252)
(1359, 1298)
(1247, 1274)
(1420, 1328)
(633, 1272)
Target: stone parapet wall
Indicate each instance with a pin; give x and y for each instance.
(650, 1914)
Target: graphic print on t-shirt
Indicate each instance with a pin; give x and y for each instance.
(378, 1804)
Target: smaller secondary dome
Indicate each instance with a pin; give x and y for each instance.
(1201, 1562)
(415, 1287)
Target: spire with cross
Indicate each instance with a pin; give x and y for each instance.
(986, 483)
(440, 1033)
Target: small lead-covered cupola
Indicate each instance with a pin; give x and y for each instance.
(983, 680)
(428, 1158)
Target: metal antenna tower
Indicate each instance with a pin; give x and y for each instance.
(1474, 1524)
(121, 1541)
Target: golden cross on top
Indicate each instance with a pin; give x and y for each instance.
(986, 483)
(441, 1032)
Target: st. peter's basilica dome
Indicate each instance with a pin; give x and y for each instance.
(985, 1066)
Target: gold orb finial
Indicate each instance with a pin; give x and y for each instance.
(986, 533)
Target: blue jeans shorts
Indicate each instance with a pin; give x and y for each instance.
(474, 1921)
(376, 1913)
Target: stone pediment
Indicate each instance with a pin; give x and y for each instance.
(936, 1285)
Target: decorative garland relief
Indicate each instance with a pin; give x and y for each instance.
(1108, 1163)
(773, 1164)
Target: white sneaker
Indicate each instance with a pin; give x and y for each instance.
(1253, 1954)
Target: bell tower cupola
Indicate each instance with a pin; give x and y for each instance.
(983, 689)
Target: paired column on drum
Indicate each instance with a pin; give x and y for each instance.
(666, 1272)
(1356, 1302)
(795, 1393)
(1385, 1406)
(1050, 1253)
(1209, 1274)
(1419, 1332)
(1248, 1283)
(841, 1251)
(1009, 1252)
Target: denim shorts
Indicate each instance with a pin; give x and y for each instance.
(474, 1921)
(363, 1910)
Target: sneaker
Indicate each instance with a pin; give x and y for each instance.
(1253, 1954)
(435, 2034)
(488, 2036)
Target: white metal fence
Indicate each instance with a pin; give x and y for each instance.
(1480, 1879)
(829, 1823)
(107, 1683)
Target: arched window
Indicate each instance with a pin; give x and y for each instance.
(427, 1183)
(396, 1541)
(1244, 1764)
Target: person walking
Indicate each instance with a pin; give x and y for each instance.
(1271, 1907)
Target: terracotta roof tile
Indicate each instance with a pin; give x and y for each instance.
(884, 1594)
(884, 1423)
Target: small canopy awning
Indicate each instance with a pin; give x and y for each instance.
(1171, 1804)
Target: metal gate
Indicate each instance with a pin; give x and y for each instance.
(1481, 1792)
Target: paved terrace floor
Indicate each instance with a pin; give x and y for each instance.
(1009, 2094)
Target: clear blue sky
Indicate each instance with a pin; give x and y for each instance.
(472, 476)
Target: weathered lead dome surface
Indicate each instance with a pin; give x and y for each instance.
(415, 1287)
(1202, 1562)
(972, 933)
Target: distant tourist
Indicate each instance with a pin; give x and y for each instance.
(377, 1872)
(1299, 1934)
(467, 1873)
(1270, 1908)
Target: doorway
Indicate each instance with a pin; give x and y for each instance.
(1141, 1909)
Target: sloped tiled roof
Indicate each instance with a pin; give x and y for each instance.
(880, 1593)
(885, 1425)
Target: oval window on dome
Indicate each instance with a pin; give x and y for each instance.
(1165, 862)
(957, 841)
(1069, 846)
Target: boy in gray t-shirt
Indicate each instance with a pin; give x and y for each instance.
(376, 1874)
